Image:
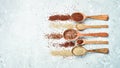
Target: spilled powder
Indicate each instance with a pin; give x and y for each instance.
(60, 25)
(54, 36)
(67, 44)
(62, 53)
(59, 17)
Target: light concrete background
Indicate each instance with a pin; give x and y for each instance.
(23, 24)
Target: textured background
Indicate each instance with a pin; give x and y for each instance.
(23, 24)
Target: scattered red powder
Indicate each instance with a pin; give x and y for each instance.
(59, 17)
(75, 16)
(54, 36)
(67, 44)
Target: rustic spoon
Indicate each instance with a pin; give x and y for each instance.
(79, 51)
(77, 16)
(83, 41)
(77, 26)
(71, 34)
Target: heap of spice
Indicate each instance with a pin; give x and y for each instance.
(75, 16)
(59, 17)
(79, 51)
(80, 41)
(62, 53)
(67, 44)
(70, 34)
(54, 36)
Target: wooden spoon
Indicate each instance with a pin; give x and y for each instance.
(79, 51)
(71, 34)
(77, 26)
(83, 41)
(77, 16)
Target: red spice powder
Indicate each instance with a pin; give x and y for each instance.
(67, 44)
(80, 41)
(55, 17)
(70, 34)
(54, 36)
(59, 17)
(77, 17)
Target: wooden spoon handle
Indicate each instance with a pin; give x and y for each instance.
(95, 42)
(96, 26)
(102, 34)
(101, 50)
(99, 17)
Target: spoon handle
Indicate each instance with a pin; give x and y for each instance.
(99, 17)
(96, 26)
(102, 34)
(95, 42)
(101, 50)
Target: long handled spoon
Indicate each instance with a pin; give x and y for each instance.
(79, 51)
(83, 41)
(77, 16)
(71, 34)
(83, 26)
(77, 26)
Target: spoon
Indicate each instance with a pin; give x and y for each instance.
(71, 34)
(78, 26)
(83, 41)
(77, 16)
(83, 26)
(79, 51)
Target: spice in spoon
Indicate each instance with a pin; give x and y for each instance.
(77, 16)
(71, 34)
(79, 51)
